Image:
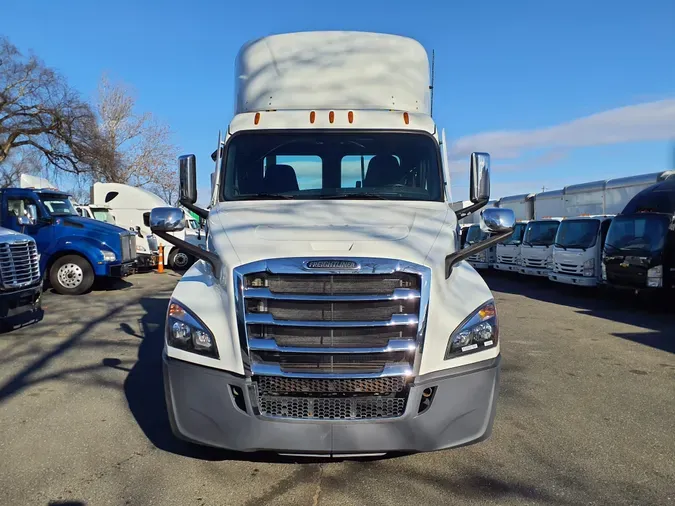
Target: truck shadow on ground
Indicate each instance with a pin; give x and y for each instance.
(652, 313)
(144, 389)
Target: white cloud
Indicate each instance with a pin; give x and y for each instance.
(647, 121)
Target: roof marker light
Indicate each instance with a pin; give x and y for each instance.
(406, 118)
(331, 116)
(256, 120)
(350, 116)
(312, 117)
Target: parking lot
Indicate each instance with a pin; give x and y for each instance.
(586, 414)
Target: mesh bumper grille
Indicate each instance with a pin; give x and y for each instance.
(276, 385)
(332, 408)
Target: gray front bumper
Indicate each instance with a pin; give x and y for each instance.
(202, 410)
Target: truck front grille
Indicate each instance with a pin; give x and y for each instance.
(568, 268)
(128, 247)
(506, 260)
(19, 265)
(534, 262)
(330, 344)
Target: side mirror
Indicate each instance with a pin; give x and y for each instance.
(497, 221)
(493, 220)
(24, 220)
(167, 219)
(188, 179)
(479, 178)
(146, 219)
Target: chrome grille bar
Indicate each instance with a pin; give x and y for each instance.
(268, 319)
(271, 345)
(275, 370)
(397, 294)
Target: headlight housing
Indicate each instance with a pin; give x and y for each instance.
(108, 256)
(589, 268)
(603, 267)
(655, 277)
(478, 332)
(186, 332)
(549, 263)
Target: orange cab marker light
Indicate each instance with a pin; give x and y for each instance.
(176, 310)
(257, 118)
(406, 118)
(350, 116)
(331, 116)
(312, 117)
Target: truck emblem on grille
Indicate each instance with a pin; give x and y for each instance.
(332, 264)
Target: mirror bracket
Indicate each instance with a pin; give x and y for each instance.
(454, 258)
(193, 250)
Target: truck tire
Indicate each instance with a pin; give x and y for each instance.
(179, 260)
(71, 275)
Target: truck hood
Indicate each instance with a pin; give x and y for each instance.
(9, 234)
(90, 225)
(255, 230)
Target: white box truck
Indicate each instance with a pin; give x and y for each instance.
(484, 259)
(131, 207)
(508, 251)
(577, 250)
(536, 250)
(331, 312)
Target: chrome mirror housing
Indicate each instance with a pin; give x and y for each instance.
(497, 221)
(167, 219)
(479, 178)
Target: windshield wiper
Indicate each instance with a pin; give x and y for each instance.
(354, 196)
(560, 245)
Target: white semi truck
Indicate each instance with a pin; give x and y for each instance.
(331, 311)
(507, 253)
(131, 207)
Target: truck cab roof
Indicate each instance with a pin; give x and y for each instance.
(658, 198)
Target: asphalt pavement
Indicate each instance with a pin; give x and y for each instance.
(586, 413)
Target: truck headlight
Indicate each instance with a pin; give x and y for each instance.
(603, 267)
(108, 256)
(477, 332)
(141, 248)
(549, 263)
(186, 332)
(589, 268)
(655, 277)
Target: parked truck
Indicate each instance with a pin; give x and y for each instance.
(20, 279)
(639, 252)
(72, 250)
(536, 250)
(131, 206)
(507, 253)
(100, 213)
(484, 259)
(331, 312)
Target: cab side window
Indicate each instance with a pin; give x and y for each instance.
(22, 207)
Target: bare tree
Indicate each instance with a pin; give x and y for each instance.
(20, 161)
(135, 149)
(38, 110)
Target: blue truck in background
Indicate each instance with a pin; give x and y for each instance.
(72, 250)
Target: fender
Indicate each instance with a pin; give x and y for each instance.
(87, 247)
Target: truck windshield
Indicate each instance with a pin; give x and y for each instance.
(540, 233)
(475, 235)
(577, 233)
(517, 236)
(637, 233)
(58, 205)
(103, 214)
(332, 165)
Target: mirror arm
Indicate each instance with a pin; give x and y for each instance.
(193, 250)
(202, 213)
(458, 256)
(466, 211)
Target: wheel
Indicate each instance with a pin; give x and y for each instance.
(71, 275)
(179, 260)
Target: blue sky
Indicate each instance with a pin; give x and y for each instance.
(510, 75)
